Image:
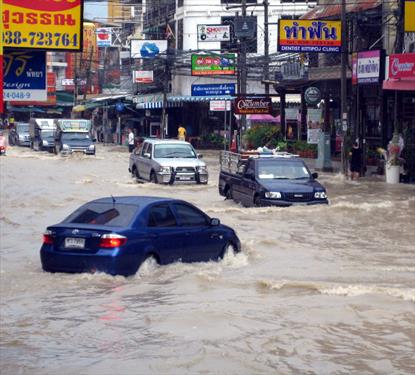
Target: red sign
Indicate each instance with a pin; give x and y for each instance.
(402, 66)
(252, 105)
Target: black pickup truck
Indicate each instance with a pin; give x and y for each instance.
(269, 180)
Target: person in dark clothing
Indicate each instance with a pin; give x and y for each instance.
(355, 161)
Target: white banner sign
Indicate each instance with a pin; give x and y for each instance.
(104, 37)
(213, 33)
(220, 105)
(314, 118)
(144, 49)
(143, 76)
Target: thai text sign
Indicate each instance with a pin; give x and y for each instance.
(43, 24)
(402, 66)
(213, 89)
(204, 65)
(309, 36)
(245, 105)
(24, 75)
(368, 66)
(220, 105)
(143, 76)
(213, 33)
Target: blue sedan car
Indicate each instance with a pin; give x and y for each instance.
(117, 234)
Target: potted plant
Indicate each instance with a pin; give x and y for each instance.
(393, 161)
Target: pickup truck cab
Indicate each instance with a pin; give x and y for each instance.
(73, 135)
(167, 161)
(269, 180)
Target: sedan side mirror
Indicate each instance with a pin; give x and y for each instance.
(214, 222)
(314, 175)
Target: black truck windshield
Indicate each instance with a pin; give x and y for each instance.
(282, 170)
(74, 136)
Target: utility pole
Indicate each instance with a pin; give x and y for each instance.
(266, 47)
(243, 67)
(343, 88)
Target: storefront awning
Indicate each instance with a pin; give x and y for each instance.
(407, 84)
(334, 9)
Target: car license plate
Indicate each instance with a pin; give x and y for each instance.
(185, 178)
(75, 243)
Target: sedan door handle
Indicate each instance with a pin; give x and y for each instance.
(215, 235)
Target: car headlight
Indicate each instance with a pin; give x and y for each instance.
(21, 137)
(45, 143)
(273, 194)
(91, 147)
(320, 195)
(164, 170)
(65, 147)
(202, 169)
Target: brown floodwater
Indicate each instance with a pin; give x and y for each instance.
(316, 289)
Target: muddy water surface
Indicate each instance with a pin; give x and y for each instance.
(320, 290)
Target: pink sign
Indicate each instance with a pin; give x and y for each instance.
(402, 66)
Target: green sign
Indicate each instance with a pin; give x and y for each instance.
(206, 65)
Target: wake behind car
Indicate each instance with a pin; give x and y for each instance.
(117, 234)
(167, 161)
(269, 180)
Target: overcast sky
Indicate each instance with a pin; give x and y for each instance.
(95, 10)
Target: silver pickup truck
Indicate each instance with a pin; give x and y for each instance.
(167, 161)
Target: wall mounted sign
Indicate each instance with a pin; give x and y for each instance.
(104, 36)
(245, 105)
(409, 20)
(213, 33)
(24, 75)
(245, 27)
(292, 71)
(309, 36)
(220, 105)
(368, 66)
(143, 76)
(213, 89)
(402, 66)
(312, 95)
(205, 65)
(43, 24)
(141, 49)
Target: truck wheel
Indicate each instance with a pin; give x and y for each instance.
(229, 193)
(135, 174)
(257, 201)
(153, 177)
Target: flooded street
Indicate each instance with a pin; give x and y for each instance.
(316, 289)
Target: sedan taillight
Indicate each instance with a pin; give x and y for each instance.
(48, 237)
(112, 240)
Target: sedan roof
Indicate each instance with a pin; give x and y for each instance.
(133, 200)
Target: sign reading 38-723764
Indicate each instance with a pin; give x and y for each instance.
(42, 24)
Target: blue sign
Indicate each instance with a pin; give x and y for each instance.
(214, 89)
(24, 75)
(120, 107)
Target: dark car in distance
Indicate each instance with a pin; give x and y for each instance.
(117, 234)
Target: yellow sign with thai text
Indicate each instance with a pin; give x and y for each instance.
(409, 22)
(309, 36)
(42, 24)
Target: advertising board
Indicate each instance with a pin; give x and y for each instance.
(204, 65)
(220, 105)
(402, 66)
(51, 93)
(104, 36)
(368, 66)
(314, 118)
(24, 75)
(144, 49)
(213, 89)
(213, 33)
(309, 36)
(409, 16)
(245, 105)
(143, 76)
(43, 24)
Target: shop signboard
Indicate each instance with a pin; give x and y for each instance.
(144, 49)
(213, 89)
(245, 105)
(314, 117)
(213, 33)
(245, 27)
(402, 66)
(104, 36)
(220, 105)
(212, 64)
(43, 24)
(409, 20)
(309, 36)
(51, 93)
(312, 95)
(143, 76)
(368, 66)
(24, 75)
(292, 71)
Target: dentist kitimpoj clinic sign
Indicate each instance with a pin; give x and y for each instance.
(42, 24)
(309, 36)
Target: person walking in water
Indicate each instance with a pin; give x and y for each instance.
(131, 140)
(181, 133)
(355, 161)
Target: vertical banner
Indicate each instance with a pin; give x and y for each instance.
(314, 119)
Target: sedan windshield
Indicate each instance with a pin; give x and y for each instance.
(74, 136)
(22, 128)
(47, 133)
(174, 151)
(287, 170)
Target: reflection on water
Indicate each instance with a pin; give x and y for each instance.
(321, 289)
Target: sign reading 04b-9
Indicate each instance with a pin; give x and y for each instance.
(309, 36)
(42, 24)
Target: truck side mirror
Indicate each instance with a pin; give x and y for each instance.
(147, 155)
(250, 175)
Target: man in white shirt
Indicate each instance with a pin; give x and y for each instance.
(131, 140)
